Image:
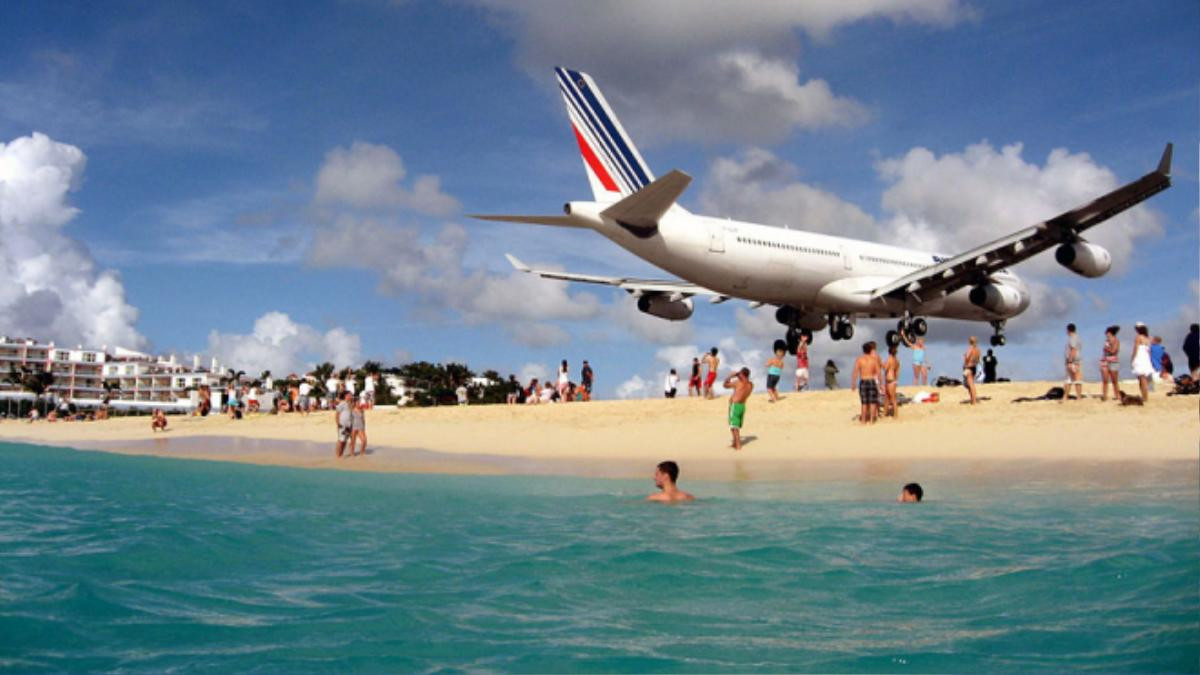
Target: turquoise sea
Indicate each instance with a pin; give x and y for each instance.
(137, 564)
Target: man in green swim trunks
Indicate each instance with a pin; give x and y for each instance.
(741, 385)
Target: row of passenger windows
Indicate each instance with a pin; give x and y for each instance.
(787, 247)
(891, 261)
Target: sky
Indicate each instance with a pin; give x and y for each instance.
(277, 184)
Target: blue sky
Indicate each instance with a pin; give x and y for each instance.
(209, 128)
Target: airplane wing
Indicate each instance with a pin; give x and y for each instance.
(974, 266)
(682, 289)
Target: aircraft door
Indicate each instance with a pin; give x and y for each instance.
(716, 238)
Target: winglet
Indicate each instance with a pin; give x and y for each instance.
(517, 264)
(1164, 164)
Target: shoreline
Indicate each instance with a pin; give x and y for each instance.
(808, 436)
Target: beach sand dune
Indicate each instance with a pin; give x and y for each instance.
(806, 435)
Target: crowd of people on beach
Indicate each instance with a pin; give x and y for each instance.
(562, 390)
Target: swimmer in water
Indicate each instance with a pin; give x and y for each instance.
(665, 475)
(911, 493)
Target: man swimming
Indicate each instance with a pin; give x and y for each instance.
(665, 475)
(911, 493)
(741, 385)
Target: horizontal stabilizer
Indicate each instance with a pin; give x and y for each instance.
(644, 208)
(556, 221)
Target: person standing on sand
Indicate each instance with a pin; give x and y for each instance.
(831, 371)
(1074, 358)
(671, 384)
(866, 375)
(920, 368)
(741, 385)
(802, 363)
(891, 377)
(564, 379)
(694, 380)
(358, 426)
(586, 377)
(665, 475)
(343, 416)
(989, 367)
(1140, 361)
(1110, 364)
(1191, 348)
(970, 363)
(712, 362)
(774, 372)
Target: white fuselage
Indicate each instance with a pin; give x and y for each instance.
(815, 273)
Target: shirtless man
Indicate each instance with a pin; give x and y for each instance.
(891, 375)
(712, 363)
(741, 385)
(970, 361)
(866, 374)
(665, 475)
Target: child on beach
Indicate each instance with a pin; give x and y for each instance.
(802, 363)
(158, 422)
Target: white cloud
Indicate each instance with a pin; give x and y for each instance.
(958, 200)
(51, 286)
(624, 314)
(280, 345)
(367, 176)
(532, 370)
(634, 387)
(703, 69)
(538, 334)
(760, 187)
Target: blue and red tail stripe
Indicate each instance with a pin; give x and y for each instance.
(601, 130)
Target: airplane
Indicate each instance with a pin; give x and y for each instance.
(814, 280)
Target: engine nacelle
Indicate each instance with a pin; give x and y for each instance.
(1084, 259)
(665, 308)
(996, 298)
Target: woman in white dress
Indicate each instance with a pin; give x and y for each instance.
(1142, 367)
(564, 381)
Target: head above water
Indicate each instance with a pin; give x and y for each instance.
(667, 470)
(912, 492)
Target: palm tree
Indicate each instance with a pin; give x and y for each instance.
(37, 382)
(13, 378)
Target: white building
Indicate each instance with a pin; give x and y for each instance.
(141, 377)
(78, 373)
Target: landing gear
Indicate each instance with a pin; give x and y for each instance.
(998, 340)
(840, 327)
(792, 342)
(909, 327)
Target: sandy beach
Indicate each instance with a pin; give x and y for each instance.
(810, 434)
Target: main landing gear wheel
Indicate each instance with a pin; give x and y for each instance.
(792, 341)
(843, 330)
(892, 338)
(918, 327)
(998, 340)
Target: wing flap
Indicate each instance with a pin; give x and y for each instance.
(684, 289)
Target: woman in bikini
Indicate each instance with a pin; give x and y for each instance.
(1110, 365)
(920, 371)
(970, 361)
(891, 373)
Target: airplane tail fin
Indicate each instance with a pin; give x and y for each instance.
(615, 168)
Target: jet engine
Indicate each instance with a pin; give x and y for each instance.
(665, 308)
(1084, 259)
(996, 298)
